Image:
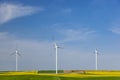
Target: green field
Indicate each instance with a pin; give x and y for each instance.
(50, 75)
(37, 77)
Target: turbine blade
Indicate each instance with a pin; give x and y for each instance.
(60, 47)
(12, 53)
(19, 54)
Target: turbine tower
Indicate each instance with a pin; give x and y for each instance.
(16, 53)
(96, 59)
(56, 58)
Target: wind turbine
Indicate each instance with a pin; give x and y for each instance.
(56, 58)
(16, 53)
(96, 59)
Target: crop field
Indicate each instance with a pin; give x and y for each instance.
(46, 75)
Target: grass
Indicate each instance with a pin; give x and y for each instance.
(43, 75)
(37, 77)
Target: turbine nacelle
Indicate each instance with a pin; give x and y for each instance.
(96, 51)
(56, 46)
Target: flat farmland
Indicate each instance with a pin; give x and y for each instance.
(41, 75)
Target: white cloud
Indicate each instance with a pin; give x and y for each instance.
(3, 35)
(67, 11)
(10, 11)
(98, 2)
(115, 30)
(77, 35)
(59, 1)
(66, 32)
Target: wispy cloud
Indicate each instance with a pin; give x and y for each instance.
(67, 11)
(60, 1)
(115, 30)
(3, 35)
(104, 3)
(96, 2)
(77, 35)
(70, 32)
(9, 11)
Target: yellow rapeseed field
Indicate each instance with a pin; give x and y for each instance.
(20, 73)
(87, 74)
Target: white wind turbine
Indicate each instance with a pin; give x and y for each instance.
(16, 53)
(56, 58)
(96, 59)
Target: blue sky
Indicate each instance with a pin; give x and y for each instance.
(80, 26)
